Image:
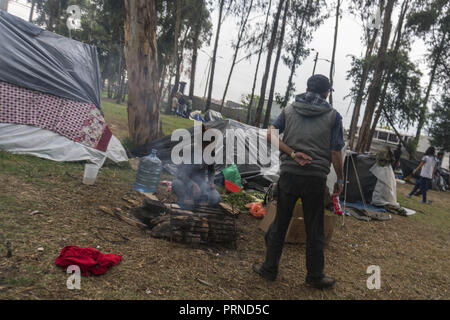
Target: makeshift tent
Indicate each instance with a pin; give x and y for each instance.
(212, 115)
(255, 176)
(359, 167)
(50, 96)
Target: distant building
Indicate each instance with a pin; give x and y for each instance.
(234, 105)
(386, 138)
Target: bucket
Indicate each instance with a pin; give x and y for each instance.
(90, 174)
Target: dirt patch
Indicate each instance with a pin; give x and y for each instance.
(411, 253)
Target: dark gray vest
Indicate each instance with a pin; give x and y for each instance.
(312, 136)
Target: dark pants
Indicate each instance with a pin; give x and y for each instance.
(422, 183)
(312, 191)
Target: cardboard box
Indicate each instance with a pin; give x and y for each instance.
(296, 232)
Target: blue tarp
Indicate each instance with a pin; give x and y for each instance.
(360, 205)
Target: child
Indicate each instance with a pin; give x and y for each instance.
(428, 168)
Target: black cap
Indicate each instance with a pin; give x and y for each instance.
(318, 83)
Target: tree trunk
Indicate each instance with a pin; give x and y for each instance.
(33, 4)
(59, 18)
(120, 71)
(424, 109)
(142, 62)
(390, 69)
(109, 89)
(268, 62)
(333, 56)
(242, 29)
(193, 69)
(275, 67)
(50, 22)
(362, 87)
(375, 87)
(161, 84)
(167, 92)
(298, 45)
(181, 60)
(197, 32)
(263, 40)
(176, 57)
(213, 62)
(411, 154)
(4, 5)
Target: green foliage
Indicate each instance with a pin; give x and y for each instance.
(303, 19)
(403, 97)
(439, 127)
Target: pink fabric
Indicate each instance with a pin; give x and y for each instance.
(77, 121)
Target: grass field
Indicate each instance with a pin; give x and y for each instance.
(116, 116)
(412, 252)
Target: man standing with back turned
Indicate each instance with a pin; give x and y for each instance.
(313, 139)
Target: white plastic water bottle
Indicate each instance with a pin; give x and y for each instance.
(149, 174)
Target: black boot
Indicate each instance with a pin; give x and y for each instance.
(257, 267)
(320, 283)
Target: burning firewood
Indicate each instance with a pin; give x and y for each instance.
(201, 225)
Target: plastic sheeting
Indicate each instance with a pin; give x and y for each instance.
(385, 192)
(212, 115)
(36, 59)
(363, 164)
(46, 144)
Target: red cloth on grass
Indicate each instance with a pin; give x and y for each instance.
(90, 260)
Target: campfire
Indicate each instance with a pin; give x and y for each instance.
(203, 224)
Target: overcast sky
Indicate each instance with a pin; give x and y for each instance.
(349, 43)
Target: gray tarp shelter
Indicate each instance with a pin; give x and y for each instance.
(37, 59)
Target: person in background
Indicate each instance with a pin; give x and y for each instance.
(175, 104)
(181, 104)
(188, 108)
(397, 156)
(427, 169)
(439, 160)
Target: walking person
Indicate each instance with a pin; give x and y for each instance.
(313, 139)
(427, 169)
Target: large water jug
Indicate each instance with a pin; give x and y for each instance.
(149, 174)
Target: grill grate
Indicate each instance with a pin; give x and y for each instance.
(203, 225)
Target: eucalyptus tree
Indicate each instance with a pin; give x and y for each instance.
(223, 4)
(276, 63)
(141, 49)
(431, 21)
(304, 18)
(270, 49)
(370, 13)
(375, 87)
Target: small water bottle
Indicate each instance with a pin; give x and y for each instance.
(149, 174)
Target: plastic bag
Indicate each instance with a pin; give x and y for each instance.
(256, 209)
(231, 187)
(232, 174)
(385, 192)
